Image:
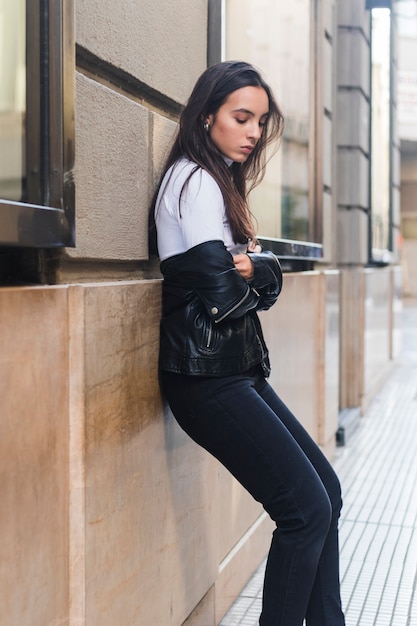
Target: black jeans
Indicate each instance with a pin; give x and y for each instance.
(244, 424)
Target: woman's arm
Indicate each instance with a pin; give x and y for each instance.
(207, 272)
(267, 277)
(264, 273)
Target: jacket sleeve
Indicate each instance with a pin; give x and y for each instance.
(223, 292)
(267, 278)
(207, 272)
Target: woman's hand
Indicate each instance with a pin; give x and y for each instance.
(244, 265)
(254, 247)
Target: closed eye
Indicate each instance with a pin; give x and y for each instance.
(262, 123)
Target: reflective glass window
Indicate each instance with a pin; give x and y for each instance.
(12, 99)
(37, 71)
(277, 38)
(381, 134)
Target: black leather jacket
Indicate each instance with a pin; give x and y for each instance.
(209, 324)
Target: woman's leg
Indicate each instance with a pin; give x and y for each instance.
(230, 418)
(324, 608)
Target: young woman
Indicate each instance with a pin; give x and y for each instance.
(213, 358)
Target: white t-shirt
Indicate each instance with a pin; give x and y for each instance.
(200, 215)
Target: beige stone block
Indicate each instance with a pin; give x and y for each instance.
(352, 320)
(352, 128)
(163, 46)
(163, 133)
(111, 174)
(34, 456)
(304, 348)
(353, 59)
(291, 332)
(352, 178)
(369, 314)
(352, 236)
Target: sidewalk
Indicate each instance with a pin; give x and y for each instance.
(378, 528)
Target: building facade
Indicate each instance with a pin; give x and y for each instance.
(407, 124)
(110, 514)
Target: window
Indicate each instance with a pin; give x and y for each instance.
(278, 37)
(12, 98)
(381, 243)
(37, 70)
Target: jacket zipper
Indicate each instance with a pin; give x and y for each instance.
(220, 319)
(210, 332)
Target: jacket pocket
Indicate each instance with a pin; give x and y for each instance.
(204, 332)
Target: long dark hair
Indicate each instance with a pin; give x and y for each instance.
(194, 142)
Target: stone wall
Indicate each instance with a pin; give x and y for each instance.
(112, 514)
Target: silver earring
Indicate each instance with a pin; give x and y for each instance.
(206, 126)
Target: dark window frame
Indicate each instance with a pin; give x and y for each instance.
(47, 219)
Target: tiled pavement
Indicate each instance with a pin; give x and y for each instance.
(378, 528)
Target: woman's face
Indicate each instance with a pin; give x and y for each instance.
(238, 124)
